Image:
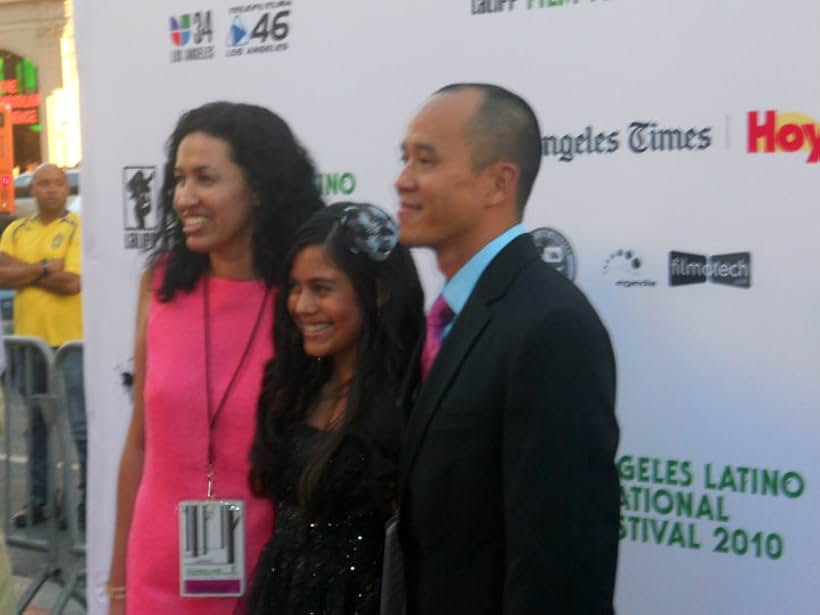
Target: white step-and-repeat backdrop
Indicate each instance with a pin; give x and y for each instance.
(679, 188)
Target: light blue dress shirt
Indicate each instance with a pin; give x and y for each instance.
(458, 289)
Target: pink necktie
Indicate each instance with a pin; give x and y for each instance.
(439, 317)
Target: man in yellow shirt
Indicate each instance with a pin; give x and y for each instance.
(40, 260)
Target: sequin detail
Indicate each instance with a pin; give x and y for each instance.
(329, 565)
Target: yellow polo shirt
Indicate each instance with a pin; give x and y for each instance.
(54, 318)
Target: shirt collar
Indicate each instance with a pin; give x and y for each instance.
(458, 289)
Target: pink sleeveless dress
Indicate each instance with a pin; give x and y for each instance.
(176, 434)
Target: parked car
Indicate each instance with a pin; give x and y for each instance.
(24, 203)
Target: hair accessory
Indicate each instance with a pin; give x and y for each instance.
(369, 230)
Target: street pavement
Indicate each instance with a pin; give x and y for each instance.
(45, 598)
(26, 562)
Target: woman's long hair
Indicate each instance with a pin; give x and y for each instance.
(391, 299)
(278, 171)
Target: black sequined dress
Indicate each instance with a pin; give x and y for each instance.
(332, 564)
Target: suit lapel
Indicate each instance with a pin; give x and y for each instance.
(465, 331)
(411, 384)
(473, 319)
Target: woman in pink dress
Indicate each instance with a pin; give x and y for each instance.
(188, 530)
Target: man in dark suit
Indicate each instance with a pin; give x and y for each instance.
(509, 495)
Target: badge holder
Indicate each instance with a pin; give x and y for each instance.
(212, 531)
(211, 548)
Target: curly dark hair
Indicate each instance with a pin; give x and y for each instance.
(391, 300)
(278, 171)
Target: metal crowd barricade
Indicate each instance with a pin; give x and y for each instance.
(24, 355)
(72, 559)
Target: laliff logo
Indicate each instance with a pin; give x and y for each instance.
(555, 250)
(733, 269)
(270, 30)
(192, 36)
(783, 132)
(140, 215)
(627, 267)
(482, 7)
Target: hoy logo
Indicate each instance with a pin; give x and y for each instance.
(787, 132)
(728, 269)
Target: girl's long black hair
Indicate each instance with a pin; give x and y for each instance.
(279, 173)
(391, 299)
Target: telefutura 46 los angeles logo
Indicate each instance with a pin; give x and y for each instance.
(261, 27)
(771, 132)
(191, 36)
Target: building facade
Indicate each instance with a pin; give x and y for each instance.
(38, 79)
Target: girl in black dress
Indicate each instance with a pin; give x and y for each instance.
(327, 439)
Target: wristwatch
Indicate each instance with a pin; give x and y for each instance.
(43, 272)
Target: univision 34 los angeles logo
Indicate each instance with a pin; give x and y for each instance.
(733, 269)
(192, 36)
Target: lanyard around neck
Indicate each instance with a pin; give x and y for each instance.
(213, 413)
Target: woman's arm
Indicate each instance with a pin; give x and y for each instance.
(132, 455)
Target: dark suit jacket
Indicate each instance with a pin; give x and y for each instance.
(509, 495)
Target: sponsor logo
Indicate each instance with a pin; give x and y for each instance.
(140, 215)
(238, 34)
(555, 250)
(628, 270)
(483, 7)
(733, 269)
(639, 137)
(335, 184)
(192, 37)
(547, 4)
(181, 30)
(260, 27)
(771, 132)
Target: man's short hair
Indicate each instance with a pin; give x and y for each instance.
(504, 128)
(47, 165)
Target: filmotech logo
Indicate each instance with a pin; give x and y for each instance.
(140, 215)
(482, 7)
(192, 37)
(627, 269)
(728, 269)
(640, 137)
(771, 132)
(258, 27)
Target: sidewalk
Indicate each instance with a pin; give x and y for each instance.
(27, 563)
(45, 598)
